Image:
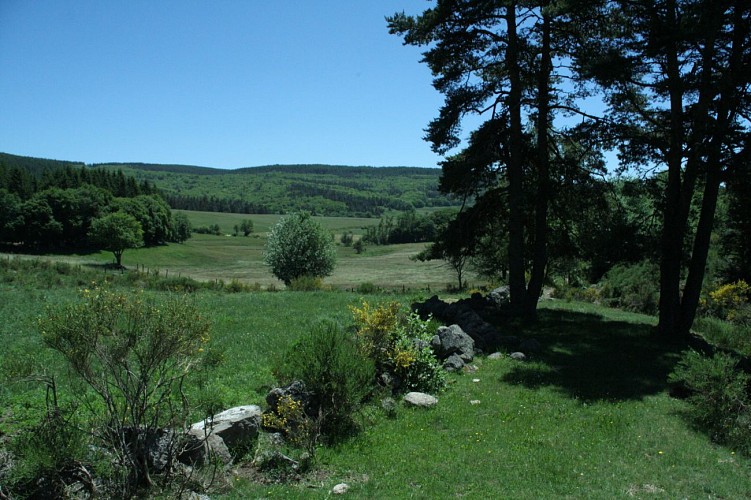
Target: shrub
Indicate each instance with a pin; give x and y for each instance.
(367, 288)
(719, 400)
(376, 329)
(327, 360)
(729, 302)
(724, 334)
(291, 420)
(299, 246)
(632, 287)
(399, 345)
(135, 354)
(413, 360)
(212, 229)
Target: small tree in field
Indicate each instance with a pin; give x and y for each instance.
(116, 232)
(299, 246)
(246, 227)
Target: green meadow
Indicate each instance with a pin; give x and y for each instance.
(588, 417)
(207, 257)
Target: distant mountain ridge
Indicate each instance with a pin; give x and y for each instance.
(334, 190)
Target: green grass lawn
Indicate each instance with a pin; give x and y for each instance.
(588, 417)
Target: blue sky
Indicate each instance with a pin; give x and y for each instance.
(224, 84)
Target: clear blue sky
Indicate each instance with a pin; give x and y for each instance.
(219, 83)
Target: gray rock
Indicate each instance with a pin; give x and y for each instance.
(340, 489)
(228, 433)
(453, 340)
(501, 296)
(495, 355)
(420, 399)
(518, 356)
(453, 363)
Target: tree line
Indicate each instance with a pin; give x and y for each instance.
(673, 78)
(62, 210)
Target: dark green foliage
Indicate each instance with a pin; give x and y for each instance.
(346, 239)
(328, 361)
(45, 204)
(299, 246)
(246, 226)
(154, 215)
(737, 239)
(720, 402)
(212, 229)
(116, 232)
(409, 227)
(25, 176)
(632, 287)
(359, 246)
(181, 228)
(319, 189)
(11, 216)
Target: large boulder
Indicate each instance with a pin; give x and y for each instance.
(500, 297)
(453, 340)
(227, 434)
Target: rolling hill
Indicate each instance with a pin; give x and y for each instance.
(321, 189)
(331, 190)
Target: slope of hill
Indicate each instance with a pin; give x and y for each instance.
(35, 166)
(332, 190)
(321, 189)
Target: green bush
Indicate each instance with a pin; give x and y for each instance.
(724, 334)
(632, 287)
(719, 400)
(367, 288)
(399, 345)
(299, 246)
(135, 354)
(414, 362)
(327, 360)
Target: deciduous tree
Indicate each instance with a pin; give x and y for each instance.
(116, 232)
(299, 246)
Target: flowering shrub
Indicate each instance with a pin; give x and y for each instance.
(399, 344)
(290, 419)
(135, 354)
(376, 329)
(729, 302)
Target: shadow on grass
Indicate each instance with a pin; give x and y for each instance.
(592, 358)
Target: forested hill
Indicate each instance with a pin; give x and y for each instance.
(35, 166)
(320, 189)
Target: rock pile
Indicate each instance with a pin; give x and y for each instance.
(469, 315)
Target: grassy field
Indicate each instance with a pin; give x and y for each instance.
(209, 257)
(588, 417)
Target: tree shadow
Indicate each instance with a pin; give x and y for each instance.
(590, 358)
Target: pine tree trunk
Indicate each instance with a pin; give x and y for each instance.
(517, 280)
(540, 251)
